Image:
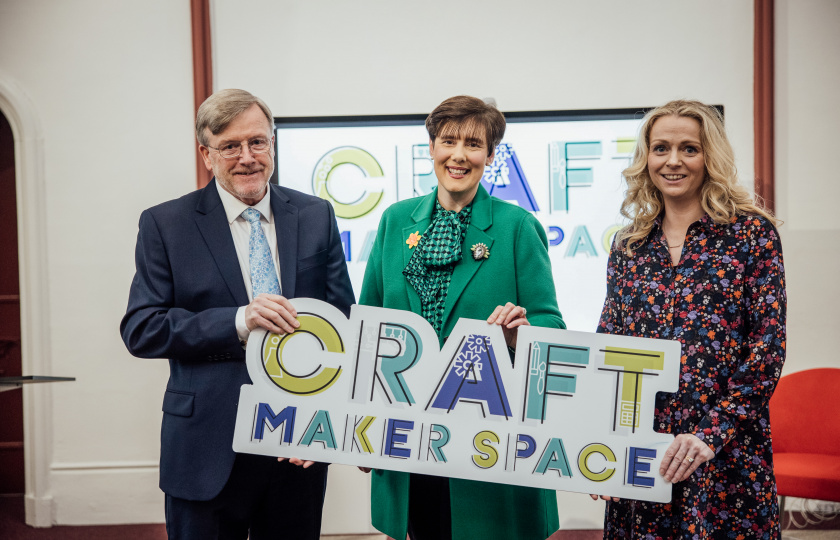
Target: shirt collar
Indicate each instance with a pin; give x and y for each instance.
(703, 225)
(234, 207)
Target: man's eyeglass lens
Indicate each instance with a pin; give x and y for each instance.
(232, 150)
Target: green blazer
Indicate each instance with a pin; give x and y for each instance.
(518, 270)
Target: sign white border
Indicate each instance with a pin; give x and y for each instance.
(375, 391)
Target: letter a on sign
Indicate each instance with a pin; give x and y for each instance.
(473, 375)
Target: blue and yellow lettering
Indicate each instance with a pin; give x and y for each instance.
(639, 462)
(517, 451)
(386, 350)
(319, 430)
(530, 446)
(345, 244)
(367, 246)
(606, 239)
(567, 169)
(555, 235)
(581, 243)
(487, 455)
(394, 439)
(554, 458)
(436, 445)
(505, 179)
(542, 381)
(357, 437)
(583, 462)
(285, 418)
(473, 375)
(409, 349)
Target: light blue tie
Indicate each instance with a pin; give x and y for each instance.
(263, 275)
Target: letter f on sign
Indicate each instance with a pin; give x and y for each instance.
(543, 380)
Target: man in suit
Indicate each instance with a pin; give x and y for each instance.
(212, 266)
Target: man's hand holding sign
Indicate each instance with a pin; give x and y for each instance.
(572, 414)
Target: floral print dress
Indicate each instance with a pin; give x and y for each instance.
(725, 302)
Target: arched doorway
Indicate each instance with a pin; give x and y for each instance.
(11, 402)
(34, 342)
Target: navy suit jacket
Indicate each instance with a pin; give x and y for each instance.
(182, 306)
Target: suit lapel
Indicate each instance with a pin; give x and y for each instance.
(286, 229)
(480, 220)
(214, 228)
(421, 217)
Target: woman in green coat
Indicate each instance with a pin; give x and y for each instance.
(454, 253)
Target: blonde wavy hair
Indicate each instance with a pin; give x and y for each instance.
(722, 197)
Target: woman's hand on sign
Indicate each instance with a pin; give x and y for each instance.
(682, 458)
(603, 497)
(510, 317)
(297, 461)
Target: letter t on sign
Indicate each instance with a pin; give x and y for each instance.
(632, 364)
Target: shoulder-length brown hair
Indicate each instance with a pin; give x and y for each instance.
(722, 197)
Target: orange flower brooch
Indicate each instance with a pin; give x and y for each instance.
(413, 239)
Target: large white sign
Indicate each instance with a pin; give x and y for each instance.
(567, 171)
(573, 412)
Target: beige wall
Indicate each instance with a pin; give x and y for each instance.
(111, 84)
(807, 187)
(807, 192)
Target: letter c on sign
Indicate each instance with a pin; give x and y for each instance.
(583, 465)
(347, 155)
(606, 239)
(321, 377)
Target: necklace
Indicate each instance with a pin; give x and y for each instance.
(668, 245)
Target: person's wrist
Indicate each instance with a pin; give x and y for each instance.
(241, 325)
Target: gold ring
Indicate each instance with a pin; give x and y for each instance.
(690, 460)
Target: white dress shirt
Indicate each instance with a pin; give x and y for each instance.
(240, 229)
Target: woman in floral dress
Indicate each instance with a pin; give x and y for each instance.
(701, 263)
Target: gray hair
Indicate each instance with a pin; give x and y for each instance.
(220, 109)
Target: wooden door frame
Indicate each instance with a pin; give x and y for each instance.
(202, 51)
(764, 98)
(34, 296)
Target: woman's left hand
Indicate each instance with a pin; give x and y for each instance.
(510, 318)
(682, 458)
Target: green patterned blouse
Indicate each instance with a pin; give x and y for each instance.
(429, 270)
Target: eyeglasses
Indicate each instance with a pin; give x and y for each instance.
(259, 145)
